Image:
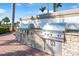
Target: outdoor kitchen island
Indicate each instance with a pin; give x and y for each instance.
(49, 44)
(68, 46)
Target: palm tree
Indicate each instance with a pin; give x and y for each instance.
(42, 9)
(55, 6)
(13, 15)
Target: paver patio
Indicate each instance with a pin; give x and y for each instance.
(9, 46)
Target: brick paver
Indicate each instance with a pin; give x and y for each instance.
(10, 47)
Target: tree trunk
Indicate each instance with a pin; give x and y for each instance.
(54, 8)
(47, 7)
(13, 15)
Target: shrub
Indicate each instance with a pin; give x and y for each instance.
(4, 29)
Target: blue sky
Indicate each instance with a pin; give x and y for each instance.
(29, 9)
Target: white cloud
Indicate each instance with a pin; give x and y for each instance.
(45, 11)
(30, 4)
(75, 6)
(2, 10)
(18, 4)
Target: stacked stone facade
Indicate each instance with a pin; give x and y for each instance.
(71, 46)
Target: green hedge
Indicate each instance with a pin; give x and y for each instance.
(4, 29)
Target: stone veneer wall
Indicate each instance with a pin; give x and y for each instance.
(71, 46)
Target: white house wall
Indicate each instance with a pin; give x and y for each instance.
(72, 19)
